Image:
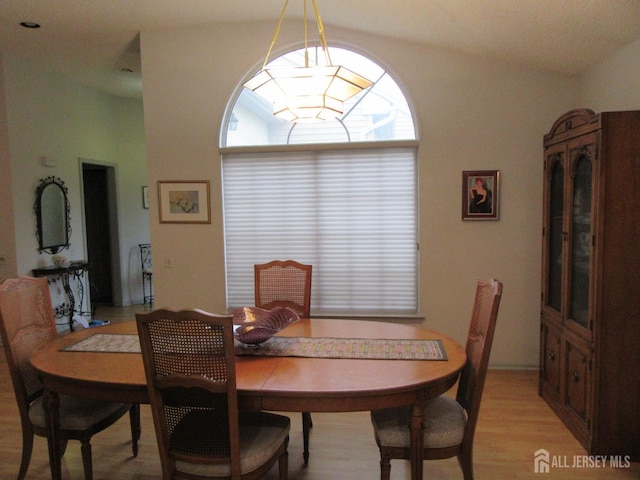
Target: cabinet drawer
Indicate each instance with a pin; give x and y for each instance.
(577, 382)
(550, 340)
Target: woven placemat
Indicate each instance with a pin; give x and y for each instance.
(107, 343)
(360, 348)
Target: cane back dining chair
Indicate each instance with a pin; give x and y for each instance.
(189, 362)
(283, 283)
(27, 323)
(449, 424)
(286, 283)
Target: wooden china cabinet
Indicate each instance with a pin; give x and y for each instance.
(590, 303)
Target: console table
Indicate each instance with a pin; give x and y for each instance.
(71, 276)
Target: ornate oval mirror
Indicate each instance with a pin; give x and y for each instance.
(52, 214)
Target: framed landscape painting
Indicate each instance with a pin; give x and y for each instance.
(184, 201)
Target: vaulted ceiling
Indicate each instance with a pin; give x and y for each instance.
(94, 40)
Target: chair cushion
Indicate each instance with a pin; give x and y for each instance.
(261, 435)
(76, 413)
(444, 423)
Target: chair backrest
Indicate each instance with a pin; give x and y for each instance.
(283, 283)
(478, 349)
(27, 323)
(146, 260)
(189, 363)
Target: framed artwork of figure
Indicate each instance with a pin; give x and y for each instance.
(480, 195)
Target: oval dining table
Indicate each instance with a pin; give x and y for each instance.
(276, 383)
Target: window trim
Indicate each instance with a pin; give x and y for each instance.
(319, 146)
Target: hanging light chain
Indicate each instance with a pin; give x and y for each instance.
(306, 36)
(323, 38)
(275, 34)
(321, 34)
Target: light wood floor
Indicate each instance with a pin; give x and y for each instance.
(514, 423)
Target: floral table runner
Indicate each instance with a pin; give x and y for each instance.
(364, 348)
(358, 348)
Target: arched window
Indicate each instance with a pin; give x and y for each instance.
(340, 195)
(380, 113)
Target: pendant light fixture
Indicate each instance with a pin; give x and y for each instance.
(311, 93)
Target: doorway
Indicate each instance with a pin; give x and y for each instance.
(101, 227)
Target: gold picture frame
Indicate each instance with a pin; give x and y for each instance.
(185, 201)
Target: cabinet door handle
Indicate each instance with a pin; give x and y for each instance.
(575, 376)
(552, 355)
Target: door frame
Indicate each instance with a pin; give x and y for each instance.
(114, 227)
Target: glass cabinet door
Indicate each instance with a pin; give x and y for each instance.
(581, 237)
(555, 235)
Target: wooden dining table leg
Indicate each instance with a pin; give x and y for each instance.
(416, 427)
(51, 405)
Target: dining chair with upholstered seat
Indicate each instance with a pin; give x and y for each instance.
(189, 362)
(27, 322)
(286, 283)
(449, 423)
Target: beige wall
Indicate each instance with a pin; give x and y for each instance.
(614, 84)
(8, 267)
(472, 114)
(50, 116)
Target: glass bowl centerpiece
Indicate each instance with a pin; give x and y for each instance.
(253, 325)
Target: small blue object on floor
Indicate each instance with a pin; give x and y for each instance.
(98, 323)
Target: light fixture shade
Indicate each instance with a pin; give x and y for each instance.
(308, 108)
(305, 94)
(309, 93)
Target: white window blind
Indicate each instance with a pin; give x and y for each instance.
(349, 213)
